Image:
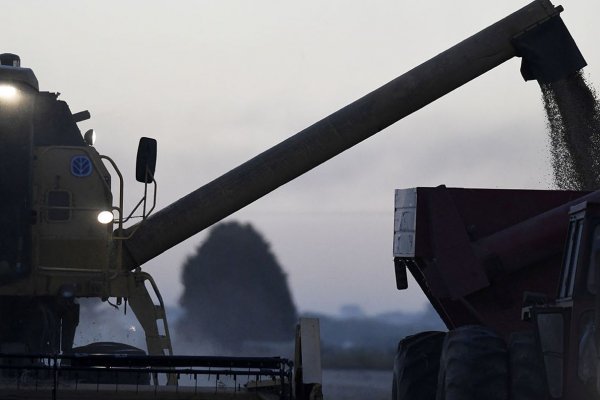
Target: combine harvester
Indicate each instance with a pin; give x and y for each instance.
(65, 236)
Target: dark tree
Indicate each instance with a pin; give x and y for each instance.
(235, 290)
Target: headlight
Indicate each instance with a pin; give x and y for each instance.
(8, 92)
(105, 217)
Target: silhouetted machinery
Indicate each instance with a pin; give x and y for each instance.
(63, 232)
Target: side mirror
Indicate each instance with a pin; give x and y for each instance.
(401, 277)
(146, 160)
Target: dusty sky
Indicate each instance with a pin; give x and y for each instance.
(217, 82)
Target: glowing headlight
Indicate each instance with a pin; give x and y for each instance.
(7, 92)
(105, 217)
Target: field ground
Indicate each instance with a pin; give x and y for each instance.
(357, 384)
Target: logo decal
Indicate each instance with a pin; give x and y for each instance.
(81, 166)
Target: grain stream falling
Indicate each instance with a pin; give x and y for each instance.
(573, 119)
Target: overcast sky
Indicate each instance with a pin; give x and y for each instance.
(217, 82)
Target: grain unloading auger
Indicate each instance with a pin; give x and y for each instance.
(532, 30)
(58, 242)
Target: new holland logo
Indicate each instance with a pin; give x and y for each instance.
(81, 166)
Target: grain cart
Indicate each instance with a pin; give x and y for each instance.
(65, 234)
(512, 273)
(489, 261)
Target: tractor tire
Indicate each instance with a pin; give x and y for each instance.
(473, 365)
(527, 381)
(416, 366)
